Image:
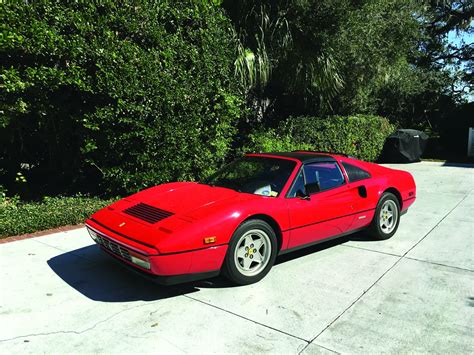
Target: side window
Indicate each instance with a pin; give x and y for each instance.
(354, 173)
(298, 185)
(327, 175)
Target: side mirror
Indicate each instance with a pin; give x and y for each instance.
(300, 194)
(312, 188)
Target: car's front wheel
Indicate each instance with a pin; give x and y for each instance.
(251, 253)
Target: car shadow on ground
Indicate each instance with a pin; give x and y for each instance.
(459, 165)
(100, 277)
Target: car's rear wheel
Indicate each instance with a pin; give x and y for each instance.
(251, 253)
(386, 218)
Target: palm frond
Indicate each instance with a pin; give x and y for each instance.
(252, 69)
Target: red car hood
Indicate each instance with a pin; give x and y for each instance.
(185, 201)
(183, 198)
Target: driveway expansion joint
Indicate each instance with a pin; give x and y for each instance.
(248, 319)
(323, 347)
(439, 264)
(356, 300)
(437, 224)
(371, 250)
(407, 257)
(390, 268)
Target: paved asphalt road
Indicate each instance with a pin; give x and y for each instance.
(413, 293)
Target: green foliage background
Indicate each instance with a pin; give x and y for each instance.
(18, 218)
(361, 136)
(129, 93)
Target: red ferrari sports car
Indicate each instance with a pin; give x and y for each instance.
(259, 206)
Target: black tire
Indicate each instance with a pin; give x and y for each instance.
(375, 229)
(233, 271)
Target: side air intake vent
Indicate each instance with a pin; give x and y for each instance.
(147, 213)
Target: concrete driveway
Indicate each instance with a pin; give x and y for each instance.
(413, 293)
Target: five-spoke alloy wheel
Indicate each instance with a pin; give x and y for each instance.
(387, 217)
(252, 252)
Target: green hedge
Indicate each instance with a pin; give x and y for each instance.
(139, 91)
(361, 136)
(20, 217)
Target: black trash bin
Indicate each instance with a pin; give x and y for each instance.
(404, 146)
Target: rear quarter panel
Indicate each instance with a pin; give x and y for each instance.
(384, 178)
(400, 180)
(404, 182)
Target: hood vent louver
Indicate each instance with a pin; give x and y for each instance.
(147, 213)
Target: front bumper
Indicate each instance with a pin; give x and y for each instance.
(162, 268)
(169, 279)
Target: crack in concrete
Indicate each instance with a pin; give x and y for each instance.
(75, 331)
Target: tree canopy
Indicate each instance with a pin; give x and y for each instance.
(387, 57)
(117, 96)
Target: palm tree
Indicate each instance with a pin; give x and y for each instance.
(283, 57)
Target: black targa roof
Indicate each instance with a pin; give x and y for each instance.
(303, 157)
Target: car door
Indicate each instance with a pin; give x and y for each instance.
(323, 214)
(361, 186)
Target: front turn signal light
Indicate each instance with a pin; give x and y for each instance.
(210, 240)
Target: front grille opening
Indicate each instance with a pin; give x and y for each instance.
(147, 213)
(115, 248)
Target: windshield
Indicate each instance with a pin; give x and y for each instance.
(254, 175)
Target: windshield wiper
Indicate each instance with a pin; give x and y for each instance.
(214, 184)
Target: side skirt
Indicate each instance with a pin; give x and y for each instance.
(282, 252)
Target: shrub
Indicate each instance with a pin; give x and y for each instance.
(20, 217)
(272, 140)
(361, 136)
(140, 90)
